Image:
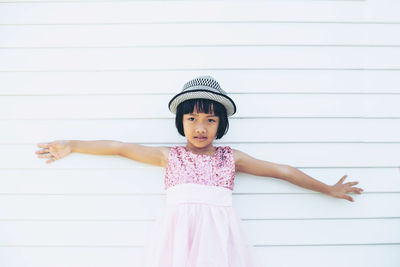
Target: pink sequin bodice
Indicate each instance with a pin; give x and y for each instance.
(187, 167)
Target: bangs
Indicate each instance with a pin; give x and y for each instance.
(202, 106)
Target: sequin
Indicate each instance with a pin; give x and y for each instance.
(187, 167)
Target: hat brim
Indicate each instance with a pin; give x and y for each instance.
(226, 101)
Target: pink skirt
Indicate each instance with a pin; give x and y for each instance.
(198, 228)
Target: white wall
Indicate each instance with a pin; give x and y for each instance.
(316, 83)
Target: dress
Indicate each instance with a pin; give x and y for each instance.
(198, 226)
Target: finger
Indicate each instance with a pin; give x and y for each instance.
(45, 150)
(352, 183)
(359, 190)
(43, 145)
(354, 190)
(349, 184)
(342, 179)
(45, 155)
(347, 197)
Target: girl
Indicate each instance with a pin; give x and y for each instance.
(198, 226)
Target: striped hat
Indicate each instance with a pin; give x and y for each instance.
(205, 87)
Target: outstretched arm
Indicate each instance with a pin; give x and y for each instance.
(146, 154)
(246, 163)
(61, 148)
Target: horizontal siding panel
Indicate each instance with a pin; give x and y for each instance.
(314, 232)
(190, 11)
(297, 155)
(132, 207)
(248, 105)
(287, 256)
(188, 34)
(269, 130)
(70, 256)
(127, 233)
(233, 81)
(330, 256)
(184, 58)
(150, 180)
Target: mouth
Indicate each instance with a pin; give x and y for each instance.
(201, 138)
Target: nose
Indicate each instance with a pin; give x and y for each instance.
(200, 129)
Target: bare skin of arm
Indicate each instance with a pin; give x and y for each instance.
(247, 164)
(146, 154)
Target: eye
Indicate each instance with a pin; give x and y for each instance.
(212, 120)
(190, 118)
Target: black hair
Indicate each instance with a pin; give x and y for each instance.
(206, 106)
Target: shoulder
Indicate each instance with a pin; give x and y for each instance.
(237, 155)
(242, 160)
(165, 151)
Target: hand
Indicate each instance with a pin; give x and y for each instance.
(54, 150)
(339, 190)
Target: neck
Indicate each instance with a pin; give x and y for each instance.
(209, 149)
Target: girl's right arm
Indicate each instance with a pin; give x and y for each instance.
(146, 154)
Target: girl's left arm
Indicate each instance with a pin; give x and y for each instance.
(246, 163)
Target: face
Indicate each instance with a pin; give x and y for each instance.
(196, 125)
